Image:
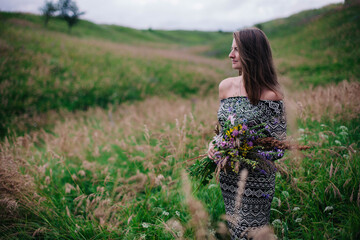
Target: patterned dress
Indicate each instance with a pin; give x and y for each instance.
(259, 189)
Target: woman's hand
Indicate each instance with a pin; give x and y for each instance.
(211, 151)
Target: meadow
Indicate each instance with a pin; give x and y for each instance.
(99, 125)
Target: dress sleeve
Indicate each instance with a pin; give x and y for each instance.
(277, 128)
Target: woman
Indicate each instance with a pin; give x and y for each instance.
(255, 97)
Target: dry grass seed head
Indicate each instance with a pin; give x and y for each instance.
(334, 100)
(223, 230)
(199, 216)
(262, 233)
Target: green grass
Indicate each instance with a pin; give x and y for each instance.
(142, 208)
(94, 170)
(324, 50)
(44, 70)
(314, 190)
(314, 47)
(114, 33)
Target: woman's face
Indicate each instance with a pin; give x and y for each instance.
(235, 56)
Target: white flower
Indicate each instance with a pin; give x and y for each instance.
(328, 208)
(145, 225)
(276, 201)
(142, 236)
(323, 125)
(232, 119)
(165, 213)
(343, 133)
(177, 213)
(212, 186)
(212, 232)
(301, 130)
(346, 156)
(276, 223)
(285, 193)
(298, 220)
(343, 128)
(217, 138)
(337, 142)
(296, 209)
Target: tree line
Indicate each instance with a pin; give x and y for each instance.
(63, 9)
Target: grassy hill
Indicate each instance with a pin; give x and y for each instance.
(46, 69)
(95, 65)
(119, 34)
(107, 118)
(314, 47)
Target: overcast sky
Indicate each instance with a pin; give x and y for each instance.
(208, 15)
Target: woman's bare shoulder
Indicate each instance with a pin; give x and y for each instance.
(224, 87)
(271, 95)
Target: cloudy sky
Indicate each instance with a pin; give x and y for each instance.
(208, 15)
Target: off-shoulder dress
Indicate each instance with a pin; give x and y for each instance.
(259, 189)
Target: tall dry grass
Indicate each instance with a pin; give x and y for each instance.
(335, 101)
(157, 133)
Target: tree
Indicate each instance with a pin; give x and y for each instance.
(48, 10)
(69, 11)
(259, 26)
(351, 2)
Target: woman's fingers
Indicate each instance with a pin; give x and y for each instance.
(211, 153)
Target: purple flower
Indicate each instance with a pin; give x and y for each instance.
(267, 196)
(235, 133)
(250, 143)
(266, 127)
(280, 153)
(244, 127)
(262, 171)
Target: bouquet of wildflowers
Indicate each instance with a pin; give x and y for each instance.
(239, 145)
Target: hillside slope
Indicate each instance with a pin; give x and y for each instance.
(119, 34)
(313, 47)
(46, 69)
(43, 69)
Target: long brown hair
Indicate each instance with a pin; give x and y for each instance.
(257, 65)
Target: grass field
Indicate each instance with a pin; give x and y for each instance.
(97, 125)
